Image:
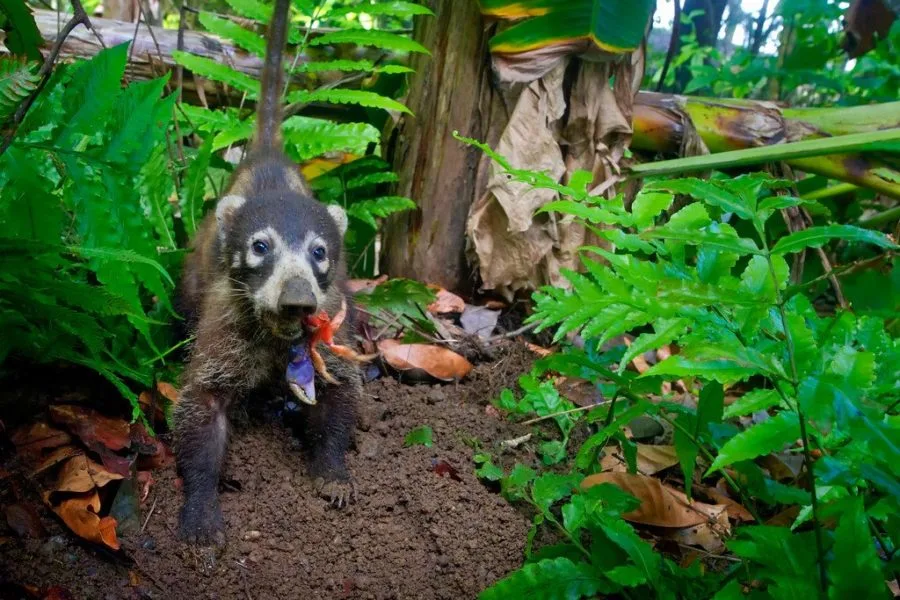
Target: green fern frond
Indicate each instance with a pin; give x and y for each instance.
(252, 9)
(394, 8)
(369, 210)
(377, 39)
(246, 39)
(307, 137)
(335, 65)
(211, 69)
(342, 96)
(18, 79)
(371, 179)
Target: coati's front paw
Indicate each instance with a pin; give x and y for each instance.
(338, 492)
(202, 524)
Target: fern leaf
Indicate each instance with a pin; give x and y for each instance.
(368, 210)
(341, 96)
(94, 90)
(156, 186)
(18, 80)
(307, 137)
(134, 117)
(246, 39)
(195, 187)
(120, 255)
(378, 39)
(335, 65)
(395, 8)
(252, 9)
(371, 179)
(211, 69)
(394, 70)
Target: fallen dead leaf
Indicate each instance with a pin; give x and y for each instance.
(57, 592)
(115, 463)
(445, 302)
(580, 391)
(437, 362)
(168, 391)
(785, 518)
(145, 479)
(81, 474)
(539, 350)
(709, 536)
(141, 441)
(478, 320)
(364, 286)
(79, 513)
(94, 429)
(39, 437)
(782, 466)
(160, 458)
(495, 304)
(650, 459)
(25, 521)
(443, 468)
(661, 505)
(735, 510)
(58, 455)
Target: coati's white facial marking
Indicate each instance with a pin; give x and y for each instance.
(340, 217)
(225, 209)
(302, 261)
(260, 245)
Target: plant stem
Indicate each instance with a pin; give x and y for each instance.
(564, 412)
(804, 434)
(745, 498)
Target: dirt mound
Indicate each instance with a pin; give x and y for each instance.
(413, 533)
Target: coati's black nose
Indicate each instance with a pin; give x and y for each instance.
(297, 299)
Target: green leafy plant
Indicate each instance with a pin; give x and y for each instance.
(420, 436)
(362, 186)
(712, 279)
(86, 229)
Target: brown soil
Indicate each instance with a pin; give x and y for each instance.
(412, 534)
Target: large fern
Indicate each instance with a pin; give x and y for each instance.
(84, 210)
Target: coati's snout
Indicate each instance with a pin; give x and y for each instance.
(297, 300)
(282, 254)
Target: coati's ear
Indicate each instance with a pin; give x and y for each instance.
(225, 209)
(340, 217)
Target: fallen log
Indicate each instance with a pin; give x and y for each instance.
(151, 53)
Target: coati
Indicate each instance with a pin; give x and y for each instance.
(267, 258)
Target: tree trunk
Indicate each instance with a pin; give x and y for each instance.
(451, 91)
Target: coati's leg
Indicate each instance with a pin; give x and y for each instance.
(201, 436)
(330, 426)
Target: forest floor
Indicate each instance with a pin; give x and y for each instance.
(414, 532)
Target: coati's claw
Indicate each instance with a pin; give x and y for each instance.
(338, 493)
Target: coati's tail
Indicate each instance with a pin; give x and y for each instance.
(268, 114)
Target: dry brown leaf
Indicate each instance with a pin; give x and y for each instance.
(58, 455)
(25, 521)
(785, 518)
(79, 513)
(37, 437)
(445, 302)
(709, 536)
(579, 391)
(661, 505)
(364, 286)
(81, 474)
(539, 350)
(437, 362)
(94, 429)
(650, 459)
(735, 510)
(169, 391)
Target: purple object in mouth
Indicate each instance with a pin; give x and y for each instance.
(301, 375)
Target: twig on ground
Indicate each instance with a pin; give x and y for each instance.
(511, 334)
(149, 514)
(79, 17)
(515, 442)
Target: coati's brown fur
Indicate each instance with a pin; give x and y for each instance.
(256, 271)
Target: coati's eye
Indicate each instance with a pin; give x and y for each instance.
(319, 253)
(260, 248)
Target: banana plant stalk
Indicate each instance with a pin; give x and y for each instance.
(666, 123)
